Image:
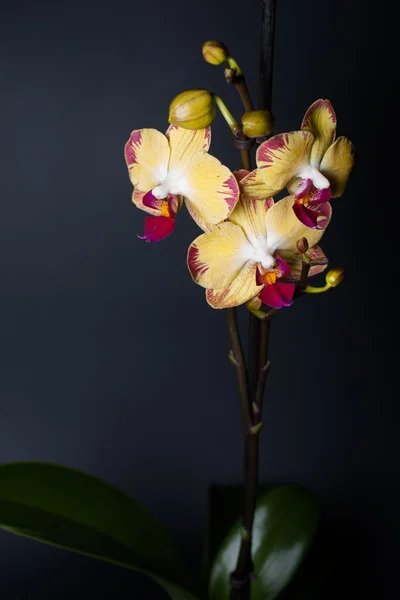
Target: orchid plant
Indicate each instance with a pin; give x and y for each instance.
(256, 249)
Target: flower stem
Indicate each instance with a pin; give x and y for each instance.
(240, 365)
(258, 343)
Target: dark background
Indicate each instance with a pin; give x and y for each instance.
(111, 361)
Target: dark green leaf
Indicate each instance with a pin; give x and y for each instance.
(285, 523)
(67, 508)
(225, 504)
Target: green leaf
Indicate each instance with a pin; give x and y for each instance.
(225, 504)
(73, 510)
(285, 523)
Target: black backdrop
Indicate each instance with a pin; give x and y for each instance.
(111, 361)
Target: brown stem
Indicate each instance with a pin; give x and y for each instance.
(241, 86)
(241, 371)
(263, 369)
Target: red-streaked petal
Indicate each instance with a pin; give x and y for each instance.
(314, 218)
(239, 175)
(278, 295)
(337, 165)
(185, 143)
(282, 267)
(302, 188)
(320, 120)
(283, 157)
(242, 289)
(217, 257)
(157, 228)
(147, 156)
(209, 189)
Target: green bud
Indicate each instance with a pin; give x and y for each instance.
(193, 109)
(334, 277)
(215, 53)
(257, 123)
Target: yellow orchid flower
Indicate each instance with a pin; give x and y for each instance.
(165, 169)
(248, 254)
(310, 163)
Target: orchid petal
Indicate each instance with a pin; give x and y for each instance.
(337, 165)
(147, 155)
(240, 291)
(184, 143)
(215, 258)
(313, 216)
(316, 196)
(302, 188)
(283, 157)
(254, 186)
(284, 229)
(157, 228)
(282, 266)
(278, 295)
(209, 188)
(293, 259)
(320, 120)
(249, 214)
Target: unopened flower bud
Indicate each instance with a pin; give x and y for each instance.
(193, 109)
(215, 53)
(257, 123)
(334, 277)
(302, 245)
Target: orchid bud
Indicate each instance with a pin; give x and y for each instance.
(257, 123)
(302, 245)
(193, 109)
(334, 277)
(215, 53)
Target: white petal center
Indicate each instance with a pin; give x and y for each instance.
(172, 183)
(318, 180)
(258, 252)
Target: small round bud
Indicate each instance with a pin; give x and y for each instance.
(193, 109)
(257, 123)
(302, 245)
(334, 277)
(215, 53)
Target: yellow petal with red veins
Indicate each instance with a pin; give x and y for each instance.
(216, 258)
(184, 143)
(320, 120)
(337, 165)
(293, 259)
(283, 157)
(249, 214)
(254, 186)
(147, 156)
(210, 189)
(240, 291)
(284, 229)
